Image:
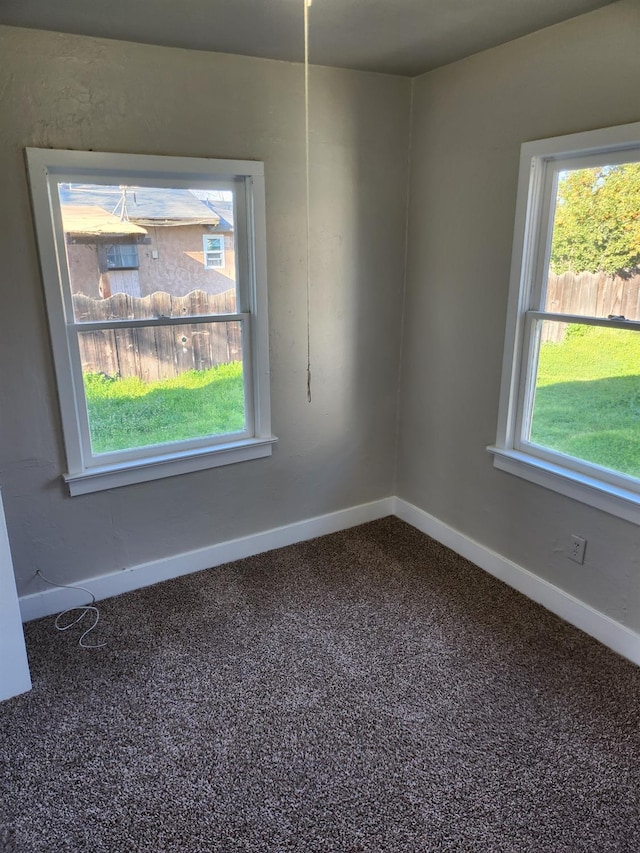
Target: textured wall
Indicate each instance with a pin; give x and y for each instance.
(469, 122)
(74, 92)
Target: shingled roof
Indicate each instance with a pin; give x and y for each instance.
(147, 205)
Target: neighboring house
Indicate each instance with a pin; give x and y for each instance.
(139, 240)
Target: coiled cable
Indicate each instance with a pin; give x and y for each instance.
(84, 610)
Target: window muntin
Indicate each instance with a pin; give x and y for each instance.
(117, 326)
(572, 359)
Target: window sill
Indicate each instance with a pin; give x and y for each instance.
(157, 467)
(588, 490)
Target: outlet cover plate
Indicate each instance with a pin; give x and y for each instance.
(577, 548)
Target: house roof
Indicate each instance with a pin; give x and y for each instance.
(95, 221)
(148, 205)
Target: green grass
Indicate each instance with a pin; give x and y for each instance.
(126, 413)
(587, 401)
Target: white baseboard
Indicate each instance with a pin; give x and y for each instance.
(53, 600)
(621, 639)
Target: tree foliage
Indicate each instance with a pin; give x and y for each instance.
(597, 221)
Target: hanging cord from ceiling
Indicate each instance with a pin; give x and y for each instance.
(84, 610)
(307, 4)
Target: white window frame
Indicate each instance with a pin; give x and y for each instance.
(209, 255)
(89, 472)
(540, 163)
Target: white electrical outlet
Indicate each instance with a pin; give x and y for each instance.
(576, 548)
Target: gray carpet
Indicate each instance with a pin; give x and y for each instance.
(366, 691)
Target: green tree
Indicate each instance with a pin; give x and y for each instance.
(597, 220)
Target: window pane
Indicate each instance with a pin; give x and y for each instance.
(122, 256)
(595, 248)
(172, 249)
(213, 251)
(587, 395)
(148, 386)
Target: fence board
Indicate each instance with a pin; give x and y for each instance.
(590, 294)
(157, 352)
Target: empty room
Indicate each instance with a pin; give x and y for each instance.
(319, 417)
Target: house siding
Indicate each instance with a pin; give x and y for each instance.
(178, 269)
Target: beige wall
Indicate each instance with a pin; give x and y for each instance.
(470, 119)
(75, 92)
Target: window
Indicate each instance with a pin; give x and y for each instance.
(570, 400)
(213, 251)
(171, 375)
(122, 256)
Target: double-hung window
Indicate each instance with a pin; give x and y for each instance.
(160, 371)
(570, 401)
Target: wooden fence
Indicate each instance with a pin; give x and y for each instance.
(157, 352)
(595, 294)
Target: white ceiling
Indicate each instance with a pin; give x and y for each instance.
(393, 36)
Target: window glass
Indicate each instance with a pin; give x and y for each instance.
(149, 386)
(587, 395)
(145, 241)
(595, 243)
(122, 256)
(213, 251)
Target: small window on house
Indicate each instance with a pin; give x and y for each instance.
(570, 405)
(171, 376)
(213, 251)
(122, 256)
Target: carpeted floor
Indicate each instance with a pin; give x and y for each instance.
(367, 691)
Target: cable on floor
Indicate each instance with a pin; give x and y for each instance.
(84, 610)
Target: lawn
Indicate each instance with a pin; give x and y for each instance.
(128, 412)
(587, 401)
